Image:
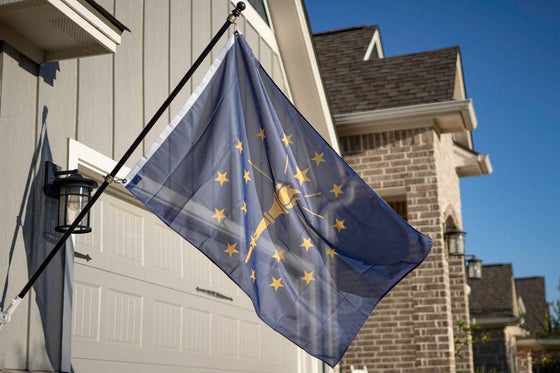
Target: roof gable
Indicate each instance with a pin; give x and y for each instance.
(355, 85)
(494, 294)
(349, 44)
(532, 291)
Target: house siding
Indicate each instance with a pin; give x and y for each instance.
(103, 102)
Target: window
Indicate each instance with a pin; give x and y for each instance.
(260, 8)
(400, 208)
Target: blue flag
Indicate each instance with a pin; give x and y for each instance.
(242, 176)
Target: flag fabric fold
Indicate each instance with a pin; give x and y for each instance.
(242, 176)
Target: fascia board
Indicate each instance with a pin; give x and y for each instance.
(498, 321)
(471, 163)
(551, 343)
(375, 42)
(413, 116)
(22, 31)
(88, 22)
(91, 18)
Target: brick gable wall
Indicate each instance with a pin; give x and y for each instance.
(411, 330)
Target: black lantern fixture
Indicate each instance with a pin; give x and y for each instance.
(455, 241)
(474, 268)
(73, 192)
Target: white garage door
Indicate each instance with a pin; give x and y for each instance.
(137, 308)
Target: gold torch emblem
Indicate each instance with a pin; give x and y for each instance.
(285, 198)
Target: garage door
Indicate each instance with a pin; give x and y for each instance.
(150, 302)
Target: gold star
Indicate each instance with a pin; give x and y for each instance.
(337, 189)
(308, 277)
(339, 224)
(261, 134)
(253, 241)
(318, 158)
(278, 255)
(307, 244)
(287, 139)
(239, 146)
(219, 215)
(246, 176)
(276, 283)
(231, 249)
(302, 175)
(331, 252)
(244, 208)
(222, 178)
(253, 275)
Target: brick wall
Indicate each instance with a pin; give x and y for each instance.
(449, 196)
(492, 354)
(412, 327)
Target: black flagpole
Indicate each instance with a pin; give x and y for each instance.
(6, 315)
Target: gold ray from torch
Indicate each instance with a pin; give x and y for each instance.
(285, 198)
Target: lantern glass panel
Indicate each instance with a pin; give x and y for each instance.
(456, 243)
(475, 269)
(73, 198)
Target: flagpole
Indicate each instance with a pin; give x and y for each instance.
(6, 315)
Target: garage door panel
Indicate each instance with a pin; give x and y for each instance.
(166, 250)
(170, 328)
(92, 242)
(135, 243)
(123, 231)
(86, 311)
(123, 313)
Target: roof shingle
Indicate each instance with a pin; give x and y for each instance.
(532, 291)
(493, 295)
(354, 85)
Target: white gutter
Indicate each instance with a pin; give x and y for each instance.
(471, 163)
(499, 321)
(448, 116)
(553, 343)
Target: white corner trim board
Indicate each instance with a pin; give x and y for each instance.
(80, 155)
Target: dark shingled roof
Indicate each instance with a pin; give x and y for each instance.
(532, 291)
(493, 295)
(354, 85)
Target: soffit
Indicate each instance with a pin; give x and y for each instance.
(48, 30)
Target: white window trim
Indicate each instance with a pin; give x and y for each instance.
(266, 33)
(82, 156)
(375, 42)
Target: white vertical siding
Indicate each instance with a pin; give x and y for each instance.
(201, 26)
(117, 95)
(180, 36)
(156, 63)
(95, 99)
(17, 131)
(129, 96)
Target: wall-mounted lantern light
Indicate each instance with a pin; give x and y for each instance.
(455, 241)
(73, 192)
(474, 268)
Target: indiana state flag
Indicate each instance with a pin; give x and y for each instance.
(242, 176)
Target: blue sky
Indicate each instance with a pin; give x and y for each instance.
(511, 59)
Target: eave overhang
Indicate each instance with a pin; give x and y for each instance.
(50, 30)
(492, 322)
(471, 163)
(547, 344)
(446, 117)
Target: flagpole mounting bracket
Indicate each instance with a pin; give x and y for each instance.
(236, 12)
(6, 315)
